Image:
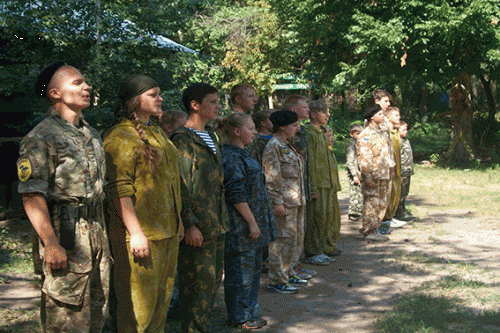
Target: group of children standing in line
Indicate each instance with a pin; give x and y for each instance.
(379, 166)
(181, 200)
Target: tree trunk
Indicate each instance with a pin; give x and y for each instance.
(462, 145)
(492, 107)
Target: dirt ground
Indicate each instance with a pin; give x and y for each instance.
(364, 282)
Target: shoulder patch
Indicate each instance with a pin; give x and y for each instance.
(24, 169)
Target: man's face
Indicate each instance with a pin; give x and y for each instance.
(68, 87)
(384, 102)
(301, 109)
(247, 100)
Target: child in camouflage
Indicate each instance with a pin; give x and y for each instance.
(406, 170)
(353, 174)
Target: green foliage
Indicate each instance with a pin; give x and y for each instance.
(244, 43)
(106, 40)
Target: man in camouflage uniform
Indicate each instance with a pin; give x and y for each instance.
(376, 163)
(61, 172)
(355, 196)
(204, 212)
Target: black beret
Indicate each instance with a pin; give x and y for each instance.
(371, 111)
(135, 85)
(283, 118)
(45, 76)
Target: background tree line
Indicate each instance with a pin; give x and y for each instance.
(439, 58)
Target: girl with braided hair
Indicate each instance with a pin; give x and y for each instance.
(143, 190)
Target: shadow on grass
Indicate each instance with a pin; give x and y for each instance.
(424, 313)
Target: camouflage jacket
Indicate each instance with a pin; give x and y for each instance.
(63, 162)
(244, 181)
(284, 170)
(352, 160)
(256, 149)
(375, 154)
(202, 176)
(156, 197)
(406, 158)
(301, 144)
(323, 172)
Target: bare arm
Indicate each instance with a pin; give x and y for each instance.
(38, 213)
(139, 245)
(247, 215)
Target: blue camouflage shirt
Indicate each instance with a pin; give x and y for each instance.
(244, 181)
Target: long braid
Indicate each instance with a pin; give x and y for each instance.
(151, 154)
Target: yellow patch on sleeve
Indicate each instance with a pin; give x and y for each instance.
(24, 169)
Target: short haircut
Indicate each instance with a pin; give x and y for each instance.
(292, 100)
(390, 109)
(403, 123)
(378, 94)
(328, 129)
(355, 128)
(317, 106)
(238, 89)
(260, 116)
(169, 117)
(196, 92)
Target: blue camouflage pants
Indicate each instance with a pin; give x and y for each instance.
(242, 271)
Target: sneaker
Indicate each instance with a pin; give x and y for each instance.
(376, 236)
(384, 230)
(302, 275)
(302, 270)
(327, 258)
(282, 288)
(316, 260)
(397, 223)
(297, 281)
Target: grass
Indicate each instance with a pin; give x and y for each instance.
(475, 192)
(15, 252)
(19, 321)
(424, 313)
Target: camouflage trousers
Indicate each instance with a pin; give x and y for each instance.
(200, 274)
(376, 201)
(285, 251)
(405, 190)
(355, 200)
(394, 198)
(75, 299)
(323, 223)
(143, 287)
(242, 271)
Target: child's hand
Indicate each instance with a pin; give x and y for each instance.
(254, 231)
